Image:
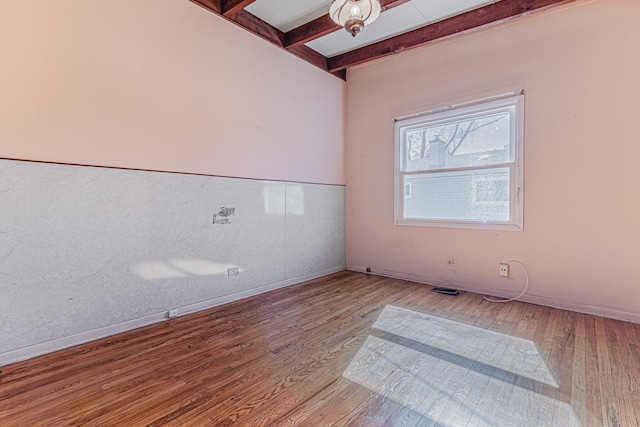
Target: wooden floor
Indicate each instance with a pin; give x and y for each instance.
(347, 349)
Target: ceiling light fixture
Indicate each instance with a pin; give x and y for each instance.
(353, 15)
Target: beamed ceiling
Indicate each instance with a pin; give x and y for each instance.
(400, 32)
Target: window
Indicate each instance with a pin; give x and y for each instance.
(461, 167)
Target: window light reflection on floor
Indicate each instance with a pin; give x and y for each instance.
(456, 374)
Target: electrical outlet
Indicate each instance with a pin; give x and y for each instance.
(233, 271)
(173, 312)
(452, 262)
(504, 269)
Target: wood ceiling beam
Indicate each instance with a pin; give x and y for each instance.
(259, 27)
(243, 18)
(266, 31)
(473, 20)
(231, 7)
(310, 31)
(310, 55)
(214, 6)
(317, 59)
(324, 25)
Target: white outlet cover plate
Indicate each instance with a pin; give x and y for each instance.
(504, 270)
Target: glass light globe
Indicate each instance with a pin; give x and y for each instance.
(353, 15)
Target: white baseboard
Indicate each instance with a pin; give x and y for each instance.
(29, 352)
(199, 306)
(25, 353)
(607, 312)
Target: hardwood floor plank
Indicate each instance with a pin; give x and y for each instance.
(319, 353)
(593, 403)
(578, 383)
(609, 410)
(620, 361)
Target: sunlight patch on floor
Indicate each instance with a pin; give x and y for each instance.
(467, 341)
(456, 375)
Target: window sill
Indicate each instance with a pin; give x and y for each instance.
(461, 224)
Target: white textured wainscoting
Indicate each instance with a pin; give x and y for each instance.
(85, 252)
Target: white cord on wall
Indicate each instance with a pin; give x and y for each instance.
(526, 284)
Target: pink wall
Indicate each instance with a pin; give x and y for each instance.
(164, 85)
(580, 68)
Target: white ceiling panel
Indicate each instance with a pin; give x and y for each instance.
(390, 23)
(437, 10)
(286, 15)
(267, 15)
(320, 46)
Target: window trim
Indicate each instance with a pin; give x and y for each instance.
(516, 181)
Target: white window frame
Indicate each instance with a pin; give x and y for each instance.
(516, 175)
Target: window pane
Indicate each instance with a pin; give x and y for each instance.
(471, 141)
(481, 196)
